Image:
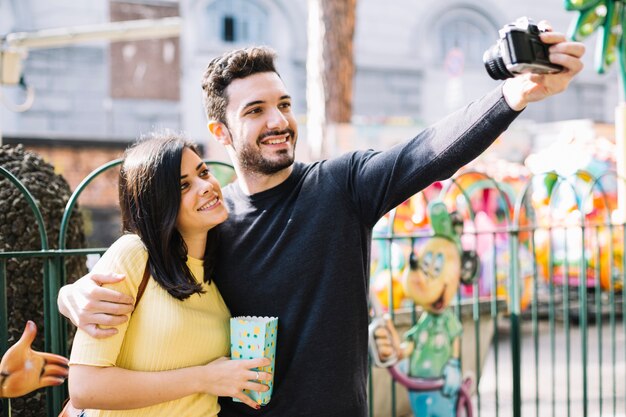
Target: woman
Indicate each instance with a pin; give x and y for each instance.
(168, 359)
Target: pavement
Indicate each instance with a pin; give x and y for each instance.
(552, 382)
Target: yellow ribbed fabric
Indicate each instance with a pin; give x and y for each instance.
(163, 333)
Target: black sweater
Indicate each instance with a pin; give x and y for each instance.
(301, 252)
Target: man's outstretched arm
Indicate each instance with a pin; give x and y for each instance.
(89, 306)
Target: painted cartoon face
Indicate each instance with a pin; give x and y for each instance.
(435, 281)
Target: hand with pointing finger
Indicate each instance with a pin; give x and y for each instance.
(23, 370)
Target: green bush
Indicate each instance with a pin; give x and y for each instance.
(19, 232)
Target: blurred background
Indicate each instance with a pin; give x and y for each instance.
(81, 80)
(408, 64)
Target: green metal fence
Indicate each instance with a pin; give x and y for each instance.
(537, 342)
(544, 323)
(54, 274)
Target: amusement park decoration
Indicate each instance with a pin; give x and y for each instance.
(433, 345)
(389, 254)
(608, 15)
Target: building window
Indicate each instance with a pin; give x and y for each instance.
(229, 29)
(236, 21)
(468, 31)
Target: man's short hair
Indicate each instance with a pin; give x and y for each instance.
(230, 66)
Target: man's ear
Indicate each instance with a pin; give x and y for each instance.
(220, 131)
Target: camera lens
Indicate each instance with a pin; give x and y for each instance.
(495, 65)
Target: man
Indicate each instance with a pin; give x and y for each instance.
(297, 242)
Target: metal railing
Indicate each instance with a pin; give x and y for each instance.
(54, 274)
(551, 301)
(545, 319)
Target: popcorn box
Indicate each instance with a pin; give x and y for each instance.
(255, 337)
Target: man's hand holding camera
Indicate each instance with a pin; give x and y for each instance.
(529, 87)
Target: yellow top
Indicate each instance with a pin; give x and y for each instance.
(163, 332)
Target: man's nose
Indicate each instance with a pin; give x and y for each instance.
(277, 120)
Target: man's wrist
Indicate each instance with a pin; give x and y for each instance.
(62, 300)
(512, 93)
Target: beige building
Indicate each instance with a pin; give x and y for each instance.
(416, 61)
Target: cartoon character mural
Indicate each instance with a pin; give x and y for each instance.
(23, 370)
(433, 345)
(389, 256)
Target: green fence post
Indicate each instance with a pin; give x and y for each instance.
(535, 317)
(514, 309)
(582, 288)
(494, 317)
(598, 301)
(58, 393)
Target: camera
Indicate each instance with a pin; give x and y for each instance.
(519, 50)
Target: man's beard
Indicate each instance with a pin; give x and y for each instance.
(251, 160)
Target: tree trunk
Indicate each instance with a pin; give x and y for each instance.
(330, 68)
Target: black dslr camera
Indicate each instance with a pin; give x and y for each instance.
(519, 50)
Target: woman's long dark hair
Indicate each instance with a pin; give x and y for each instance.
(149, 191)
